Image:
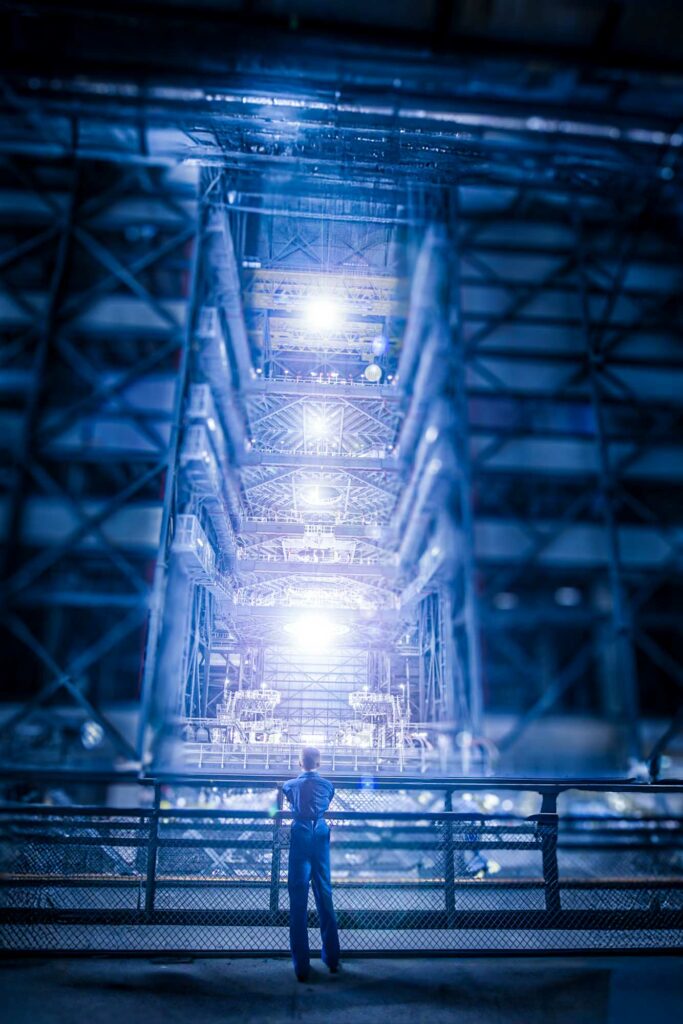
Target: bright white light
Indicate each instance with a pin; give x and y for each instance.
(318, 427)
(320, 495)
(568, 597)
(312, 495)
(323, 314)
(315, 632)
(92, 734)
(431, 434)
(373, 373)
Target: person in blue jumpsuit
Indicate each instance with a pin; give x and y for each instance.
(309, 796)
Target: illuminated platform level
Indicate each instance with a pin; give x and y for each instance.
(371, 732)
(261, 756)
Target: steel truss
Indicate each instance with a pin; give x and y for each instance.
(590, 441)
(488, 291)
(505, 500)
(95, 290)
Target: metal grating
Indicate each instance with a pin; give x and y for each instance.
(213, 880)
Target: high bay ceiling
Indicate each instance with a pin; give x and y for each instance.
(321, 375)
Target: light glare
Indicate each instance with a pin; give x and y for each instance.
(323, 314)
(318, 427)
(315, 632)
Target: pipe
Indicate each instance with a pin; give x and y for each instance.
(221, 253)
(438, 426)
(429, 382)
(422, 509)
(426, 297)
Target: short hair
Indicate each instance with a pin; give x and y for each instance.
(310, 758)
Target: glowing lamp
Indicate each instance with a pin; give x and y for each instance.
(323, 314)
(315, 632)
(92, 734)
(318, 427)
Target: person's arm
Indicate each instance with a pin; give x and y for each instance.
(287, 791)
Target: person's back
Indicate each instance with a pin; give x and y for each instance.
(309, 796)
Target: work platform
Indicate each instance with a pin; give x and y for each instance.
(278, 757)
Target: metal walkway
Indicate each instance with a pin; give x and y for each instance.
(212, 879)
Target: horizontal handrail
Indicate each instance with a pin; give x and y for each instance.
(273, 779)
(238, 815)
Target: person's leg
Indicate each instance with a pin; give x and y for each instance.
(298, 877)
(322, 890)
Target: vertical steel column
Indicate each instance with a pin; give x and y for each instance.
(204, 699)
(470, 611)
(158, 594)
(275, 857)
(421, 662)
(449, 865)
(152, 849)
(548, 822)
(606, 484)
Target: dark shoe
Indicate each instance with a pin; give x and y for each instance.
(303, 977)
(334, 968)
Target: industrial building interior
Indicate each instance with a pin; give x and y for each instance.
(340, 419)
(341, 405)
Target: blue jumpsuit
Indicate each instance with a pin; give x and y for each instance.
(309, 861)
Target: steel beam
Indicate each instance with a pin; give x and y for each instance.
(620, 615)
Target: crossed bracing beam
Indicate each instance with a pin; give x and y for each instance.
(51, 340)
(595, 375)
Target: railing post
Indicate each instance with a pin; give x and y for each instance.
(449, 866)
(275, 858)
(152, 847)
(549, 823)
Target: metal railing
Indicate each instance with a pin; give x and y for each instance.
(216, 754)
(423, 881)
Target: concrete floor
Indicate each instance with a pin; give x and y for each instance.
(469, 991)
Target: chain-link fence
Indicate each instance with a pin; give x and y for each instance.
(411, 876)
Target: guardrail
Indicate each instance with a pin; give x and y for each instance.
(212, 880)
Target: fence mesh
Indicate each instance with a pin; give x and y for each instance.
(406, 880)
